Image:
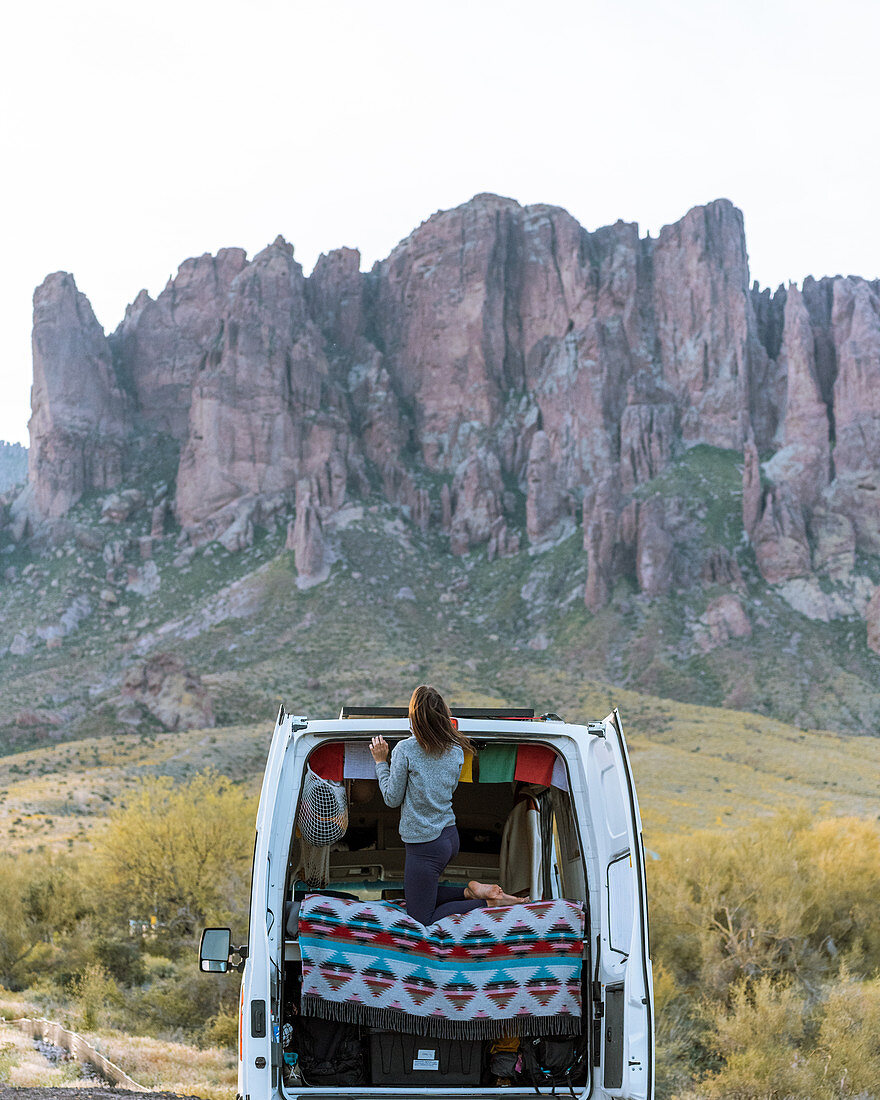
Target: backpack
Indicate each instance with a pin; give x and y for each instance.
(551, 1061)
(330, 1052)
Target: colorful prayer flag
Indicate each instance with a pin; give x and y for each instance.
(467, 768)
(497, 763)
(534, 764)
(327, 761)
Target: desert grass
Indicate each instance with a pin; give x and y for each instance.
(23, 1066)
(154, 1063)
(171, 1067)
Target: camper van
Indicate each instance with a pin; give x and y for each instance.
(545, 807)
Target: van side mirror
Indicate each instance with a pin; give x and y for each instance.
(214, 950)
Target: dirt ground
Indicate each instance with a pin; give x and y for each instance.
(99, 1092)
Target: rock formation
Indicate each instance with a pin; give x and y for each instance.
(873, 620)
(162, 344)
(78, 424)
(501, 372)
(171, 692)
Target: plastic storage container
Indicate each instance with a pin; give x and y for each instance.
(398, 1059)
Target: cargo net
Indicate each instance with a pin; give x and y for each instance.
(321, 822)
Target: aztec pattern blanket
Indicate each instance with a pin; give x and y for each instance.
(490, 972)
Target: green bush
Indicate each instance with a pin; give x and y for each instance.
(181, 853)
(94, 992)
(221, 1030)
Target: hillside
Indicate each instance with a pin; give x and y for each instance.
(695, 768)
(102, 642)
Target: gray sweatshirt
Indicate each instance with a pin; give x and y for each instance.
(422, 785)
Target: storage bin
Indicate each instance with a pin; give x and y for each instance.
(398, 1059)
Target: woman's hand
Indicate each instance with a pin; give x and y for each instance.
(379, 749)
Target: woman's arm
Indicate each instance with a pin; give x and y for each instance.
(392, 779)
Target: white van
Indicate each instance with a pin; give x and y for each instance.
(586, 846)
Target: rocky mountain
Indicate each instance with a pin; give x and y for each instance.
(505, 381)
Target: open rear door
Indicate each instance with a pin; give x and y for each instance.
(622, 992)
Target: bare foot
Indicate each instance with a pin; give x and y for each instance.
(500, 899)
(482, 891)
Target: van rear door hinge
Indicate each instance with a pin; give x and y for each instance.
(597, 729)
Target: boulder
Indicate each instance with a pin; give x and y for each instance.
(118, 507)
(780, 538)
(143, 580)
(171, 692)
(723, 619)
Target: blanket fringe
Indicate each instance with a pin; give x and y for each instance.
(392, 1019)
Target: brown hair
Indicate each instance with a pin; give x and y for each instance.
(432, 723)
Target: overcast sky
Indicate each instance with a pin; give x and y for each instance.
(136, 135)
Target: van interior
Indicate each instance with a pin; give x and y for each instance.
(520, 833)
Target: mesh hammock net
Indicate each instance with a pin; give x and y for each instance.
(323, 811)
(322, 820)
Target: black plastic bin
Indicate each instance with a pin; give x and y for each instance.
(398, 1059)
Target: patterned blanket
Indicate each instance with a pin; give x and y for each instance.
(482, 974)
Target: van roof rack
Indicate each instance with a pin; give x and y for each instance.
(457, 712)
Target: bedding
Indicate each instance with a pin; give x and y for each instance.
(490, 972)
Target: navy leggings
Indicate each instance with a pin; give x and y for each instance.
(426, 900)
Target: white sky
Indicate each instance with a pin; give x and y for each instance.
(138, 134)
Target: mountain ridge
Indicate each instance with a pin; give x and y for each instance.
(504, 391)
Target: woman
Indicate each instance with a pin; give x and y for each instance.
(421, 778)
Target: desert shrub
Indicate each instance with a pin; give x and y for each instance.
(759, 1037)
(179, 852)
(121, 958)
(845, 1062)
(844, 855)
(93, 991)
(676, 1034)
(785, 898)
(221, 1030)
(42, 900)
(179, 1005)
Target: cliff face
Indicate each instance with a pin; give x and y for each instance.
(79, 412)
(501, 360)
